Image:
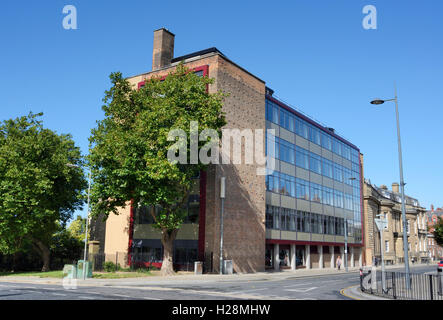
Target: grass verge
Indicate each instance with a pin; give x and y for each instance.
(49, 274)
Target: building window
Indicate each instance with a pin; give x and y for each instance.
(287, 151)
(292, 220)
(272, 112)
(386, 246)
(287, 120)
(336, 146)
(328, 196)
(302, 188)
(301, 128)
(338, 199)
(314, 135)
(315, 192)
(327, 168)
(315, 163)
(338, 173)
(301, 158)
(287, 185)
(273, 182)
(348, 202)
(326, 141)
(269, 217)
(272, 146)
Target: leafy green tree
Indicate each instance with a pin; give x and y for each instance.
(38, 192)
(438, 231)
(129, 148)
(65, 246)
(77, 228)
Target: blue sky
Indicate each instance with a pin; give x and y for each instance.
(315, 55)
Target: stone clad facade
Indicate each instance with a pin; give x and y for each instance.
(380, 200)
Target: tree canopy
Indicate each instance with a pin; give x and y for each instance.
(438, 231)
(77, 228)
(129, 147)
(38, 191)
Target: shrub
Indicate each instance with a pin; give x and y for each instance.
(110, 266)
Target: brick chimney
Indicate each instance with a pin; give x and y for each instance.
(163, 50)
(432, 208)
(395, 186)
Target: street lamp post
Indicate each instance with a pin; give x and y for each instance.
(87, 218)
(222, 197)
(402, 186)
(346, 235)
(346, 243)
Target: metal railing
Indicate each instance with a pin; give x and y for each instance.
(123, 260)
(422, 286)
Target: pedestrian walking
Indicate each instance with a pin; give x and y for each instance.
(338, 262)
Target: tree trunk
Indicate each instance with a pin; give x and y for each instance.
(14, 261)
(44, 254)
(168, 238)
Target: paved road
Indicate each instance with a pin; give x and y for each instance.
(324, 287)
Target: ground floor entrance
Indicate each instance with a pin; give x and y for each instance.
(311, 256)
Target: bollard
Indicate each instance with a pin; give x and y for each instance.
(440, 280)
(374, 279)
(198, 267)
(361, 278)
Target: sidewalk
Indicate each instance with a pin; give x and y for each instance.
(355, 294)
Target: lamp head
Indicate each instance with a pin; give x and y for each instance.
(377, 101)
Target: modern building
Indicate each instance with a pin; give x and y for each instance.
(387, 203)
(294, 217)
(435, 250)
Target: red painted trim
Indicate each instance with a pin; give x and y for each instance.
(204, 68)
(202, 217)
(313, 243)
(298, 114)
(131, 231)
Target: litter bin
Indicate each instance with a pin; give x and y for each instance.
(69, 271)
(228, 268)
(198, 267)
(88, 270)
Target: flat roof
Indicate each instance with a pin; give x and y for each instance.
(312, 122)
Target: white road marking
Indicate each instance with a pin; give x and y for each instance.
(250, 290)
(299, 284)
(149, 298)
(301, 289)
(84, 297)
(121, 295)
(59, 294)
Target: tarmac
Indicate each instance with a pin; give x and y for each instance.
(352, 292)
